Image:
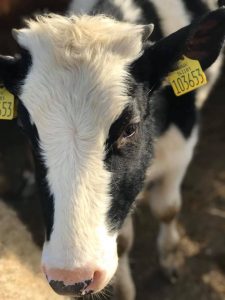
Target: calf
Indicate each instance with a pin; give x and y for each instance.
(93, 101)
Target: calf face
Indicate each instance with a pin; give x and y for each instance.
(85, 85)
(79, 113)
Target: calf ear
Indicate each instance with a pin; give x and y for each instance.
(202, 41)
(10, 72)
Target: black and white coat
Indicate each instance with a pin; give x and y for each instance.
(95, 104)
(176, 119)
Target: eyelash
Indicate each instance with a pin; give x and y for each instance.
(130, 130)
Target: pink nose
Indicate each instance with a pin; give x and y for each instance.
(76, 282)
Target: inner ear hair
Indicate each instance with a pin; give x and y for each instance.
(147, 31)
(206, 39)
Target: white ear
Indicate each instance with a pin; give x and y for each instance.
(147, 31)
(15, 33)
(19, 36)
(130, 38)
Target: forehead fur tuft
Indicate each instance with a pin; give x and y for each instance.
(73, 36)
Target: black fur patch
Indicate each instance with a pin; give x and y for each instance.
(14, 70)
(45, 195)
(128, 165)
(179, 111)
(197, 8)
(206, 38)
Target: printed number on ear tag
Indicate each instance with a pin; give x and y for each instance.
(188, 77)
(7, 105)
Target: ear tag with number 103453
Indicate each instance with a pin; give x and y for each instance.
(7, 104)
(187, 77)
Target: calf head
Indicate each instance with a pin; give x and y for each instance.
(84, 86)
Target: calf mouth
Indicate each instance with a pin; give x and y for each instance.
(105, 294)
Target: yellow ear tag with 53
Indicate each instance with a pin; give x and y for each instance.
(7, 104)
(188, 76)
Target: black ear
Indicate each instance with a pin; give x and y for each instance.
(13, 70)
(202, 41)
(9, 71)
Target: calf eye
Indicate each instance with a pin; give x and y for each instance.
(121, 135)
(127, 135)
(130, 130)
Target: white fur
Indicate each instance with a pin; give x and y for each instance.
(74, 91)
(172, 151)
(212, 4)
(81, 6)
(131, 13)
(173, 15)
(168, 237)
(173, 154)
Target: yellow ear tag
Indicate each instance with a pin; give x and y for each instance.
(7, 105)
(188, 77)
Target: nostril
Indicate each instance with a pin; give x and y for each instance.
(98, 282)
(97, 276)
(76, 289)
(73, 283)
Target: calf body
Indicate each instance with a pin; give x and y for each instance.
(94, 103)
(176, 119)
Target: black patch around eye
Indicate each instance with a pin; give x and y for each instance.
(118, 127)
(123, 129)
(128, 165)
(130, 130)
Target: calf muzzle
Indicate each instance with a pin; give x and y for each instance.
(76, 283)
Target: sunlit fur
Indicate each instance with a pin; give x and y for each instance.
(170, 21)
(71, 62)
(213, 4)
